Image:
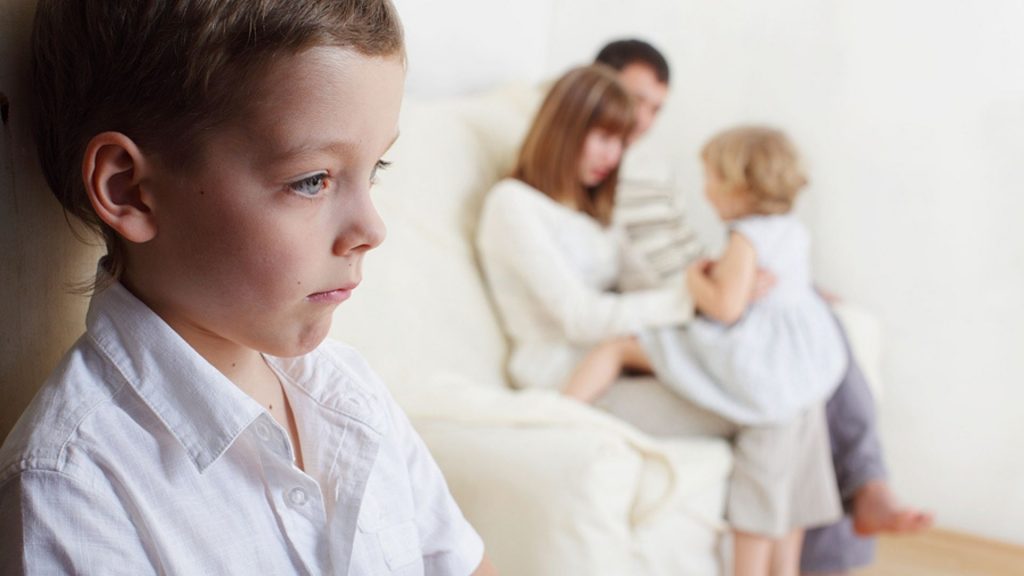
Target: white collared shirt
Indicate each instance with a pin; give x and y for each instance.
(139, 457)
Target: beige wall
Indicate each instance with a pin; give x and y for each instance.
(39, 255)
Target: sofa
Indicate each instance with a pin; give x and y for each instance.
(555, 487)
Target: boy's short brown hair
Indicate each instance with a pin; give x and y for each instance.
(758, 161)
(166, 72)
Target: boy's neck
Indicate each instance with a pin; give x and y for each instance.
(249, 372)
(244, 366)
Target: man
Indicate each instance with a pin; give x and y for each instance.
(657, 225)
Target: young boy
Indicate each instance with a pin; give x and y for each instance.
(225, 150)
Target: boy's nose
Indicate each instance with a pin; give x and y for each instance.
(361, 229)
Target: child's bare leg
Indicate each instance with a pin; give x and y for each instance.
(634, 357)
(751, 554)
(596, 372)
(876, 509)
(786, 554)
(599, 369)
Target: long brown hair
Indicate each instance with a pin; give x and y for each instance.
(583, 99)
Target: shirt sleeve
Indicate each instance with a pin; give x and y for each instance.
(450, 545)
(55, 524)
(514, 235)
(653, 215)
(637, 271)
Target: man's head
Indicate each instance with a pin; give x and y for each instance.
(644, 72)
(167, 73)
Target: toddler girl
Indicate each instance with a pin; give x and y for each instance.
(767, 365)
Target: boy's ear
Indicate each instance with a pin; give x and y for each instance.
(113, 169)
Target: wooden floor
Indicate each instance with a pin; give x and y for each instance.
(942, 553)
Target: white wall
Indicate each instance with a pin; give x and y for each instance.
(452, 53)
(911, 115)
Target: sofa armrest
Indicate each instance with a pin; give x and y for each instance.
(546, 501)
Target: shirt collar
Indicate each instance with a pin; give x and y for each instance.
(343, 385)
(201, 408)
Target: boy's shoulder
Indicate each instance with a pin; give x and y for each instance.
(48, 430)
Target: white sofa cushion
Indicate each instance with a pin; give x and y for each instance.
(423, 307)
(556, 488)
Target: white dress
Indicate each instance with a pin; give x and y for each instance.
(784, 355)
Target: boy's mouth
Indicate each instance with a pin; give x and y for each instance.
(333, 296)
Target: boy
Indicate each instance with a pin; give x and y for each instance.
(225, 150)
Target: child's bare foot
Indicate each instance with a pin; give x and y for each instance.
(875, 509)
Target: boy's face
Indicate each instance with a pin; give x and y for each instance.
(258, 244)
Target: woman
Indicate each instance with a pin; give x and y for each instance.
(552, 261)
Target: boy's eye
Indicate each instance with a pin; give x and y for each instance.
(310, 186)
(379, 167)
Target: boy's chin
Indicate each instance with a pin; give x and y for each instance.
(301, 344)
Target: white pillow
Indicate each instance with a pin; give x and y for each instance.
(422, 307)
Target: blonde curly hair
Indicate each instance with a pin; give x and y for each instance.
(758, 161)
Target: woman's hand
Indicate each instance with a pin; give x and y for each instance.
(831, 298)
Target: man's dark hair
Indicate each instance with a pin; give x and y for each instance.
(622, 53)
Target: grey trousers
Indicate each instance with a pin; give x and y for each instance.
(857, 457)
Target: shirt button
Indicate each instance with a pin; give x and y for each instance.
(297, 496)
(263, 430)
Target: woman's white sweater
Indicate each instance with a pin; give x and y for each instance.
(555, 274)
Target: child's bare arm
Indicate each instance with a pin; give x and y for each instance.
(722, 291)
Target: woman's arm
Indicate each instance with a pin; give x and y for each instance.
(518, 249)
(722, 291)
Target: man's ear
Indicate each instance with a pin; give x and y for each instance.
(113, 169)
